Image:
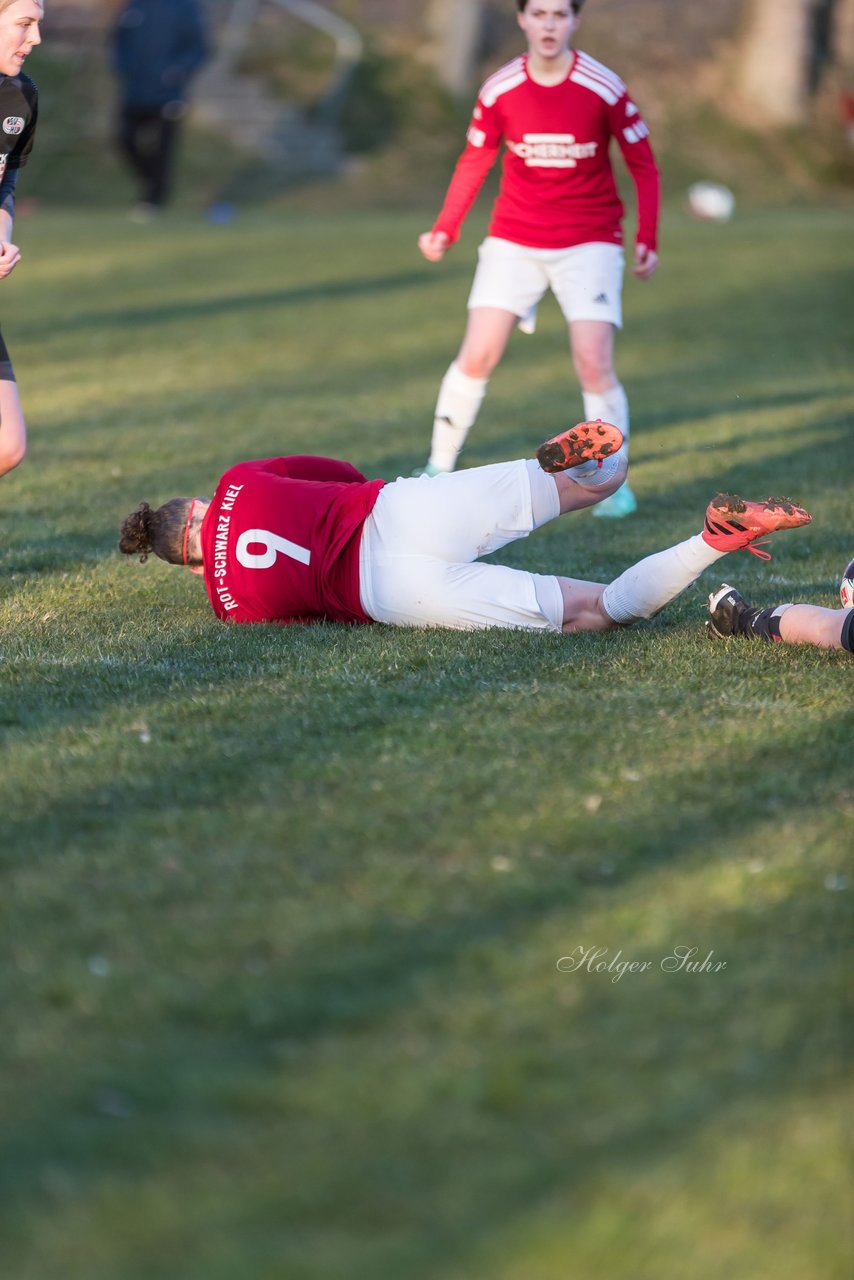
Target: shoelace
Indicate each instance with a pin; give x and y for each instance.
(755, 548)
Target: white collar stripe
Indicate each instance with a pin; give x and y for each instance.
(509, 69)
(597, 71)
(489, 97)
(604, 93)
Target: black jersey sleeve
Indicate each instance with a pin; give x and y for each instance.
(20, 153)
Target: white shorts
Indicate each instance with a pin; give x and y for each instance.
(420, 545)
(587, 280)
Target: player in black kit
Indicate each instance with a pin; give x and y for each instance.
(19, 34)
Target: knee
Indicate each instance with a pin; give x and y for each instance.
(596, 618)
(477, 362)
(582, 607)
(594, 365)
(595, 373)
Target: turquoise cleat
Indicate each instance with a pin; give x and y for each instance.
(427, 470)
(620, 504)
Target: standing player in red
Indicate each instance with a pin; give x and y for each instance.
(301, 539)
(556, 223)
(19, 34)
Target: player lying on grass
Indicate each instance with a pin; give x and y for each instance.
(731, 615)
(304, 538)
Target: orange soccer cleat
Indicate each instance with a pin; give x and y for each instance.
(732, 524)
(585, 442)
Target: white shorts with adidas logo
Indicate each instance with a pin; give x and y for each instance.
(587, 280)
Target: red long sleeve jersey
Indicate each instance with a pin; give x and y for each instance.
(281, 538)
(557, 184)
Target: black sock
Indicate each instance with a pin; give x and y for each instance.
(764, 624)
(848, 632)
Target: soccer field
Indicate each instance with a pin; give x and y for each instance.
(283, 907)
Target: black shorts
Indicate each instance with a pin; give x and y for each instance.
(7, 374)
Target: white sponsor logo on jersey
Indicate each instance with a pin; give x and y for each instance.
(552, 150)
(13, 124)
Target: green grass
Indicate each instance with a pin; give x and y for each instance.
(282, 908)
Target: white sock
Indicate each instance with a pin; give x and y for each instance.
(460, 398)
(644, 589)
(611, 406)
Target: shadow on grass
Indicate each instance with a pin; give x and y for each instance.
(297, 709)
(498, 445)
(528, 1113)
(173, 310)
(191, 1059)
(49, 555)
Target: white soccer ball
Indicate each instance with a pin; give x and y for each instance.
(846, 587)
(711, 201)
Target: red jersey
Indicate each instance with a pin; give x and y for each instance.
(557, 184)
(280, 541)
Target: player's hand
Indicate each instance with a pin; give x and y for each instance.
(646, 262)
(10, 256)
(433, 245)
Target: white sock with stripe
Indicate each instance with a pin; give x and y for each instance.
(460, 398)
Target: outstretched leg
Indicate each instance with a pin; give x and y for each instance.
(643, 590)
(827, 628)
(422, 541)
(731, 615)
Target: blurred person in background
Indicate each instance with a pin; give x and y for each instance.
(20, 22)
(158, 46)
(557, 222)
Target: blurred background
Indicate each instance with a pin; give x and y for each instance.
(366, 101)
